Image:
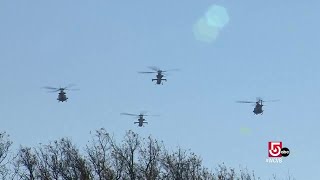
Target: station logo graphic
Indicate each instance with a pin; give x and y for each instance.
(276, 152)
(274, 149)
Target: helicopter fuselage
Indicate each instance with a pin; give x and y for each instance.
(258, 109)
(141, 121)
(159, 78)
(62, 96)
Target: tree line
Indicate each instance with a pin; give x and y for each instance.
(134, 158)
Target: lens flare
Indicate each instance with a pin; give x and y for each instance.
(245, 130)
(204, 32)
(208, 27)
(217, 16)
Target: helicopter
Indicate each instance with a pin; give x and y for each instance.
(140, 116)
(62, 94)
(160, 74)
(258, 105)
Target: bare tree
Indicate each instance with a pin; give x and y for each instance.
(61, 159)
(149, 159)
(126, 152)
(26, 163)
(183, 165)
(5, 145)
(132, 159)
(58, 160)
(100, 157)
(223, 173)
(245, 175)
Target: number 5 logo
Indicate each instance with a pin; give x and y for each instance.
(275, 149)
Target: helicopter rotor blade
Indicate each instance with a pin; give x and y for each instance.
(71, 89)
(144, 112)
(52, 88)
(146, 72)
(245, 102)
(69, 86)
(128, 114)
(171, 70)
(151, 115)
(276, 100)
(53, 91)
(154, 68)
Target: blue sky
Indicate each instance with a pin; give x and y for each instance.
(268, 49)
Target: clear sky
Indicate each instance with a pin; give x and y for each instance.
(268, 49)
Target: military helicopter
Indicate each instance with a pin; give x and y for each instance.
(160, 74)
(140, 116)
(258, 105)
(62, 94)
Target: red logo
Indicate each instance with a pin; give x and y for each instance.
(274, 149)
